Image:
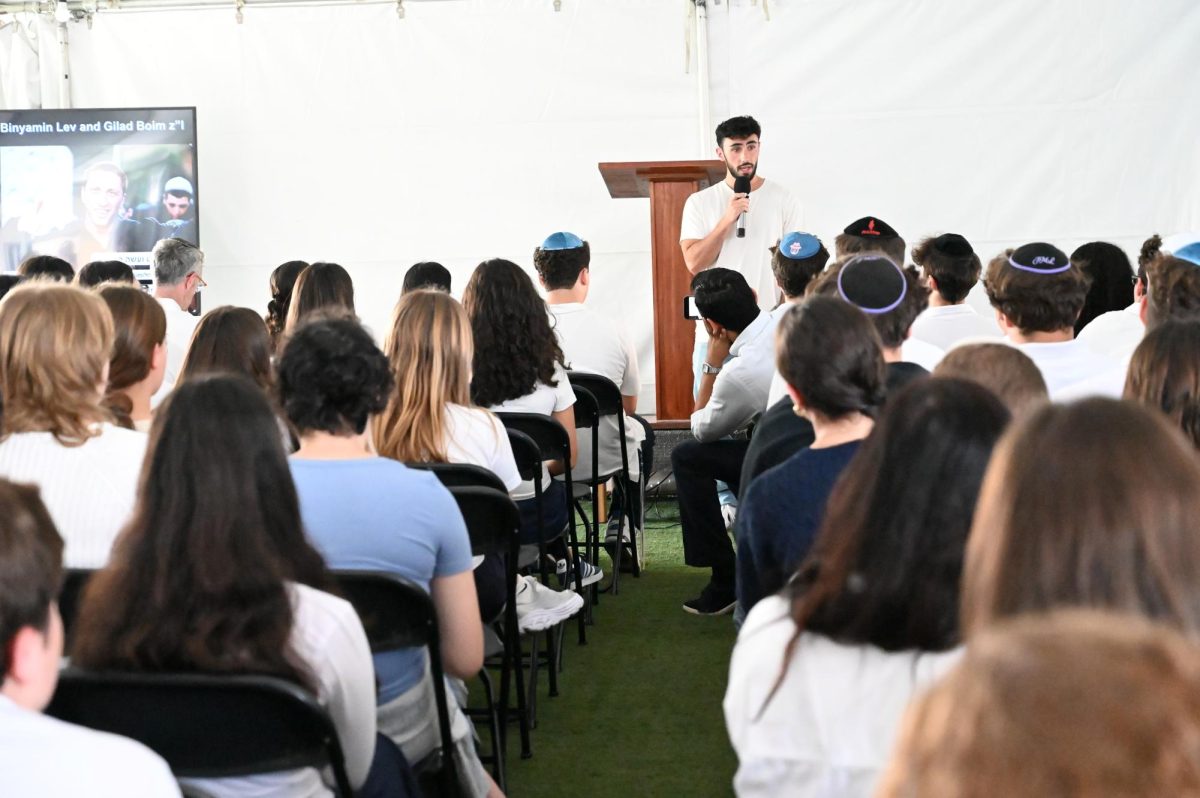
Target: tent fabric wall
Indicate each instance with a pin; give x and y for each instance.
(30, 62)
(472, 128)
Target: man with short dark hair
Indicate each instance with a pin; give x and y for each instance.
(178, 196)
(796, 262)
(426, 275)
(40, 755)
(593, 343)
(708, 234)
(1038, 293)
(46, 267)
(950, 269)
(739, 362)
(178, 276)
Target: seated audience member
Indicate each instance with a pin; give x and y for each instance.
(332, 379)
(1038, 293)
(55, 342)
(1090, 504)
(735, 378)
(796, 262)
(822, 672)
(283, 280)
(593, 343)
(321, 285)
(429, 418)
(105, 271)
(178, 276)
(1172, 291)
(40, 755)
(139, 354)
(891, 297)
(518, 367)
(1004, 370)
(231, 340)
(47, 267)
(426, 274)
(213, 574)
(871, 235)
(1116, 333)
(1164, 374)
(8, 282)
(950, 269)
(1112, 279)
(1075, 703)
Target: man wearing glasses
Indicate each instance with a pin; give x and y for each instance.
(178, 269)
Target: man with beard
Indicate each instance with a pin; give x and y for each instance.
(708, 236)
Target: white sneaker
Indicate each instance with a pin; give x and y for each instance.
(729, 515)
(539, 607)
(566, 573)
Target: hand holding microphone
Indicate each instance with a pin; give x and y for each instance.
(741, 186)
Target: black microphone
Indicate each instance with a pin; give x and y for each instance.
(741, 185)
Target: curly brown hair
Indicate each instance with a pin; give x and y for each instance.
(1036, 302)
(515, 346)
(1172, 290)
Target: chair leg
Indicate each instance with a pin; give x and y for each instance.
(514, 662)
(498, 750)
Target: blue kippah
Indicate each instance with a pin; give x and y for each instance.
(799, 246)
(1190, 253)
(556, 241)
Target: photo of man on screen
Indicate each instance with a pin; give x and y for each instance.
(177, 198)
(104, 227)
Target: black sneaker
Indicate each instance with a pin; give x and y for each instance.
(711, 601)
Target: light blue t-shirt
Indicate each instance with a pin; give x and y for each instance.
(374, 514)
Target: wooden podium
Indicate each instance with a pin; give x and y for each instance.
(668, 184)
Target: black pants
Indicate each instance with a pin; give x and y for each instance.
(697, 468)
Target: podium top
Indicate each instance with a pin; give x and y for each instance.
(634, 179)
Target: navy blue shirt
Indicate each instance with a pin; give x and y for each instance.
(779, 516)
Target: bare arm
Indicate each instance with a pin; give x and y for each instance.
(567, 419)
(458, 623)
(629, 403)
(699, 254)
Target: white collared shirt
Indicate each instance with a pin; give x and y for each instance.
(740, 390)
(46, 757)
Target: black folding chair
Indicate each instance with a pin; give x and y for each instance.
(609, 403)
(493, 523)
(398, 613)
(462, 475)
(552, 443)
(207, 726)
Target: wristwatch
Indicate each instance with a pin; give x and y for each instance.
(707, 369)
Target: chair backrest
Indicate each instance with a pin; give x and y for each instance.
(455, 475)
(74, 581)
(492, 519)
(206, 726)
(587, 410)
(526, 453)
(395, 612)
(545, 431)
(605, 391)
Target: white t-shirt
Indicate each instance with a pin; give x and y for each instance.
(1115, 334)
(180, 327)
(89, 490)
(545, 400)
(45, 757)
(829, 729)
(593, 343)
(948, 325)
(328, 637)
(924, 354)
(773, 212)
(476, 437)
(778, 388)
(1072, 370)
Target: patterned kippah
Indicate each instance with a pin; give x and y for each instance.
(799, 246)
(1039, 258)
(870, 227)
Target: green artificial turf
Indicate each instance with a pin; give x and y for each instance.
(639, 709)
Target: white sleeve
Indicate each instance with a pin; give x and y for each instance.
(730, 407)
(631, 380)
(793, 214)
(693, 227)
(345, 675)
(502, 462)
(564, 394)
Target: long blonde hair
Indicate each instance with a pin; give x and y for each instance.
(55, 342)
(430, 349)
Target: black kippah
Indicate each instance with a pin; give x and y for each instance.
(1039, 258)
(870, 227)
(954, 245)
(872, 283)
